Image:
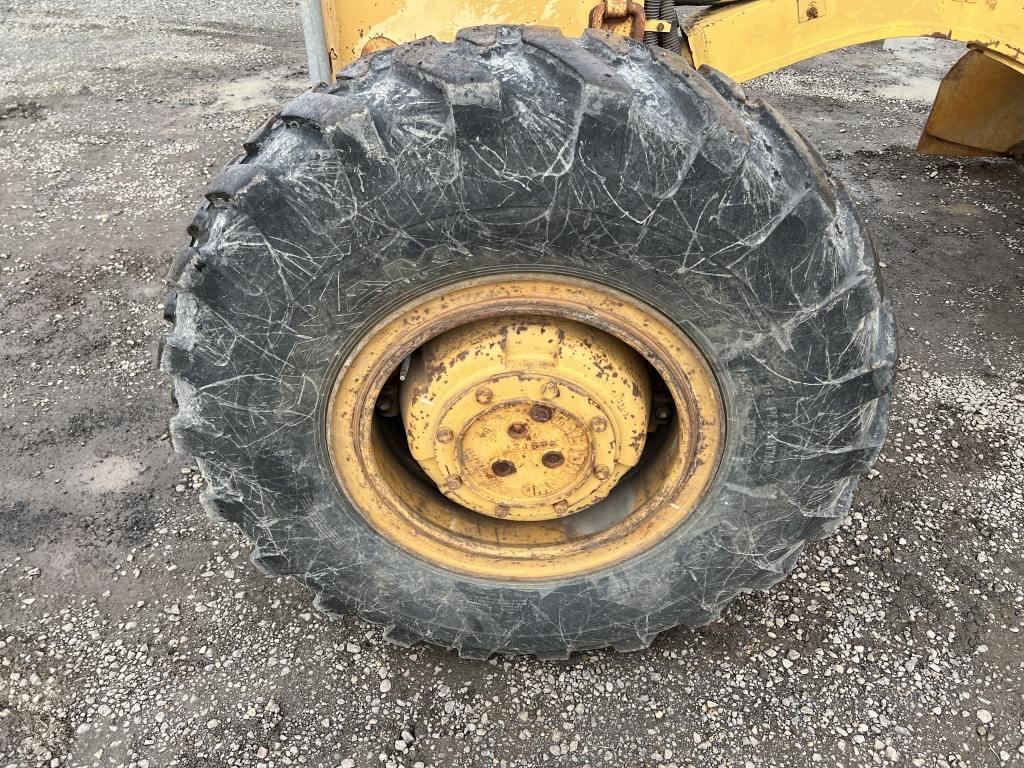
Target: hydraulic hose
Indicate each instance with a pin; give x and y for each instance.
(669, 40)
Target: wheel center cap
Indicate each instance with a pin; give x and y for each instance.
(526, 418)
(510, 457)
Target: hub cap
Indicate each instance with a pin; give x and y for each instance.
(526, 418)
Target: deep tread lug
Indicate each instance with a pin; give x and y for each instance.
(725, 85)
(464, 81)
(474, 652)
(170, 306)
(401, 637)
(332, 606)
(604, 92)
(234, 180)
(260, 135)
(614, 47)
(200, 223)
(270, 562)
(343, 121)
(218, 508)
(357, 70)
(484, 36)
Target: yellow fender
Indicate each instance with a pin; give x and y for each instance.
(747, 39)
(979, 109)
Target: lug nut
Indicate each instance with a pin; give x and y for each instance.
(453, 482)
(501, 511)
(598, 424)
(484, 395)
(444, 435)
(601, 472)
(540, 413)
(518, 430)
(561, 507)
(503, 468)
(550, 390)
(552, 459)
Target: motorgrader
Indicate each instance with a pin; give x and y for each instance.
(526, 331)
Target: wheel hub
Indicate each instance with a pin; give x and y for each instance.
(526, 418)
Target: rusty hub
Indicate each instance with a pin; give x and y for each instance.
(524, 451)
(528, 402)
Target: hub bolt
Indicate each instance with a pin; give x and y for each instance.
(601, 472)
(598, 424)
(503, 468)
(453, 482)
(561, 507)
(484, 395)
(552, 459)
(501, 510)
(444, 435)
(540, 413)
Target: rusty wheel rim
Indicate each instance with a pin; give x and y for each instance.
(412, 510)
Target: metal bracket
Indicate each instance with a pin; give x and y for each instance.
(622, 17)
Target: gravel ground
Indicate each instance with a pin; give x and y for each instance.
(134, 631)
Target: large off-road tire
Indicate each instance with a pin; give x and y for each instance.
(516, 149)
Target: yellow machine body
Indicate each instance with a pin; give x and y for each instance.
(748, 38)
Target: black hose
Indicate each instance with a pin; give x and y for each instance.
(651, 10)
(670, 40)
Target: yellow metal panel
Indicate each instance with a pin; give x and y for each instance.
(748, 39)
(350, 25)
(743, 39)
(979, 110)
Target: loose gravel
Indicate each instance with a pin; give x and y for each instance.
(134, 631)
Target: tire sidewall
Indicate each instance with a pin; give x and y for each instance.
(658, 583)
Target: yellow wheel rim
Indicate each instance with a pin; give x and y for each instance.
(589, 491)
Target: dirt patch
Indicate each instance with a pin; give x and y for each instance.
(28, 110)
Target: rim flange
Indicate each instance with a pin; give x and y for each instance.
(605, 308)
